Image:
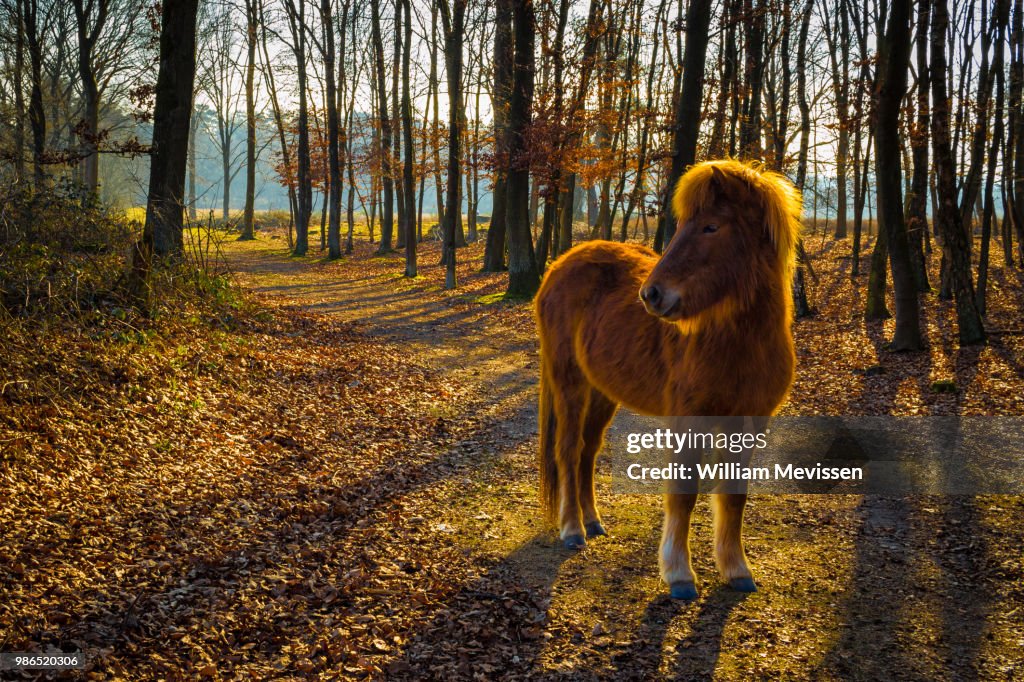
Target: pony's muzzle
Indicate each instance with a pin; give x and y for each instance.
(659, 301)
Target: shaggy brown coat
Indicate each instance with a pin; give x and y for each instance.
(708, 336)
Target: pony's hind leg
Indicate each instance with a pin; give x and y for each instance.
(570, 394)
(729, 556)
(600, 411)
(674, 557)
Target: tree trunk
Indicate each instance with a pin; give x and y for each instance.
(726, 86)
(225, 166)
(387, 226)
(972, 181)
(304, 189)
(435, 133)
(454, 25)
(688, 109)
(333, 133)
(565, 213)
(917, 227)
(750, 129)
(838, 37)
(551, 223)
(279, 122)
(89, 131)
(1017, 117)
(591, 35)
(423, 174)
(408, 182)
(875, 308)
(19, 96)
(36, 112)
(252, 20)
(474, 180)
(348, 139)
(954, 245)
(192, 132)
(494, 252)
(523, 275)
(801, 304)
(396, 128)
(1001, 18)
(638, 192)
(894, 60)
(172, 112)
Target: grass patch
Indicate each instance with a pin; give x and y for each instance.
(500, 297)
(400, 277)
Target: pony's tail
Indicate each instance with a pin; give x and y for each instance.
(547, 462)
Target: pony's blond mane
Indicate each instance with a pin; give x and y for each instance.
(783, 205)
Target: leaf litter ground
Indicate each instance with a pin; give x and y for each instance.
(343, 486)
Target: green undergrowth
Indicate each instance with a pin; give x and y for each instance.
(69, 322)
(500, 297)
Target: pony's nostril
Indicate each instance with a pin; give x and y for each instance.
(651, 294)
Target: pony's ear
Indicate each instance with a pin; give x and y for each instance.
(718, 185)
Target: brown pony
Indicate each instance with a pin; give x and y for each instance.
(709, 335)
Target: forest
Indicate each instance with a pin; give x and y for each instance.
(269, 358)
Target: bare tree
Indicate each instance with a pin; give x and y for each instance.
(251, 25)
(91, 16)
(688, 108)
(917, 227)
(387, 174)
(172, 112)
(1000, 19)
(297, 24)
(286, 161)
(838, 36)
(328, 50)
(494, 253)
(218, 64)
(523, 274)
(947, 215)
(750, 128)
(802, 306)
(894, 60)
(408, 182)
(35, 28)
(453, 19)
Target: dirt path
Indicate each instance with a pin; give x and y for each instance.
(442, 331)
(851, 587)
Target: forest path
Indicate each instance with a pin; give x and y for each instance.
(441, 330)
(851, 587)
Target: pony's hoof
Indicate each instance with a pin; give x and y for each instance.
(743, 584)
(574, 542)
(594, 529)
(682, 591)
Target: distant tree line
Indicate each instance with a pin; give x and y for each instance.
(908, 113)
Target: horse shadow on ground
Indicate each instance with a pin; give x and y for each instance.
(696, 654)
(494, 626)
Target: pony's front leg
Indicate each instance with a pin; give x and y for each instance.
(674, 556)
(727, 510)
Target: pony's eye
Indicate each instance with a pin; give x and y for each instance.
(708, 229)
